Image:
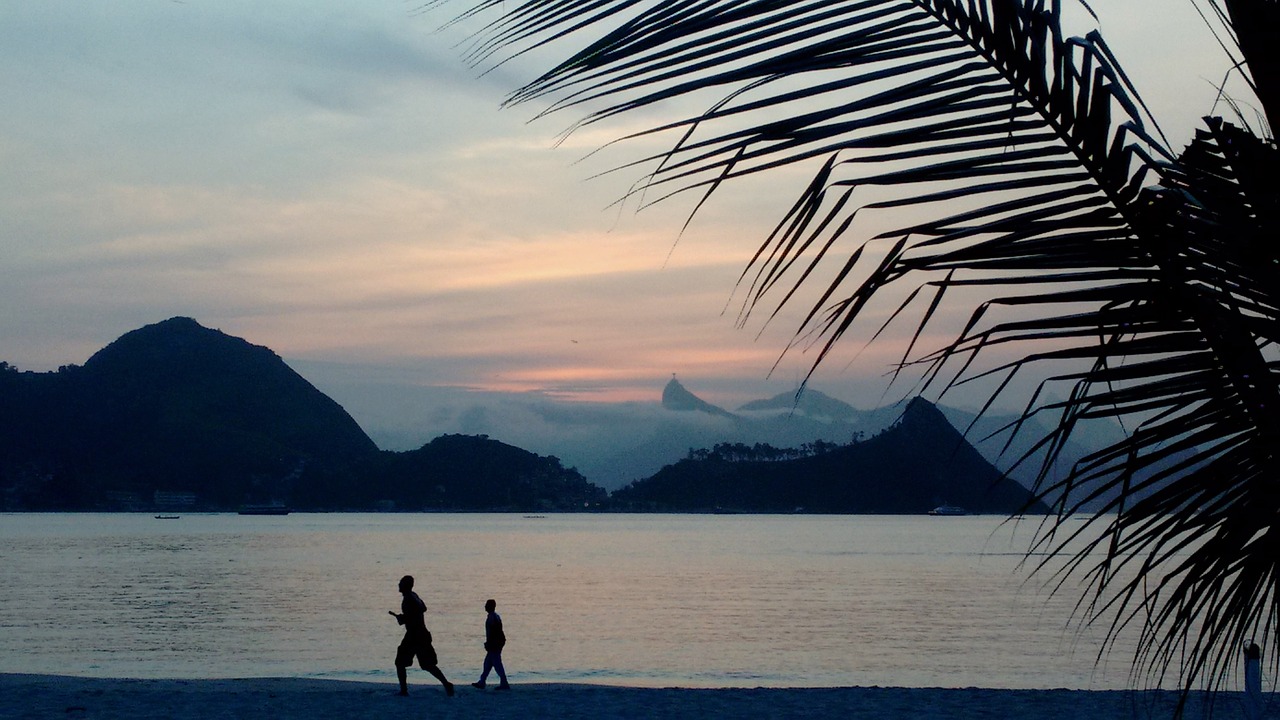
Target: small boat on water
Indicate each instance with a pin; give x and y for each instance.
(948, 511)
(263, 510)
(168, 517)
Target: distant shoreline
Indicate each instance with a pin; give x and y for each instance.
(24, 695)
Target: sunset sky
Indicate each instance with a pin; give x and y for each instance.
(331, 180)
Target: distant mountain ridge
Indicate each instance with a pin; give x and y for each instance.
(917, 464)
(676, 397)
(178, 410)
(808, 402)
(688, 421)
(790, 419)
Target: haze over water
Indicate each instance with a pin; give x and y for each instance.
(651, 600)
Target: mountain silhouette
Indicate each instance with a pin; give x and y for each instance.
(676, 397)
(172, 407)
(179, 413)
(187, 413)
(919, 463)
(468, 472)
(810, 403)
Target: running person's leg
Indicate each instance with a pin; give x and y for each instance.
(404, 658)
(435, 672)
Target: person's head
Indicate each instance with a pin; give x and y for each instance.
(406, 583)
(490, 605)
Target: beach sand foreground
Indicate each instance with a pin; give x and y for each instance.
(49, 696)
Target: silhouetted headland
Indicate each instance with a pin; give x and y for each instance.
(175, 416)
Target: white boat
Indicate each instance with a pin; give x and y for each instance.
(948, 510)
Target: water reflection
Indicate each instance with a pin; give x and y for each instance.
(649, 600)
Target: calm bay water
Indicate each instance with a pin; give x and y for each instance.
(654, 600)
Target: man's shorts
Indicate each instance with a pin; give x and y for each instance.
(416, 646)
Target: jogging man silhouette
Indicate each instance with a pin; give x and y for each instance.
(417, 638)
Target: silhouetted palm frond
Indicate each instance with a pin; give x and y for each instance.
(1028, 183)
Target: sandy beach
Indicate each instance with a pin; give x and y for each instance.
(49, 696)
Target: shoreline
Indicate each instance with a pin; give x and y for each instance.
(23, 696)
